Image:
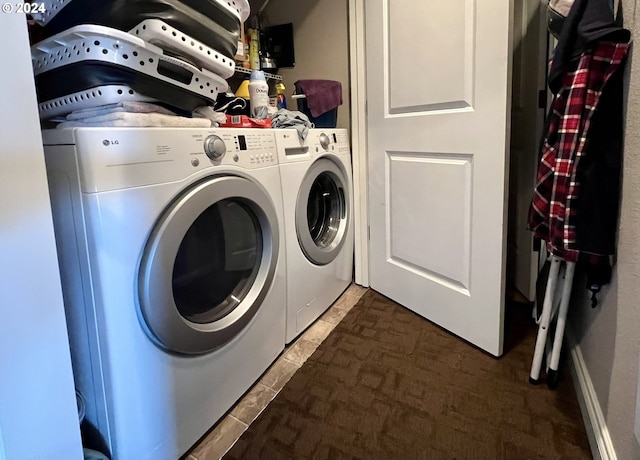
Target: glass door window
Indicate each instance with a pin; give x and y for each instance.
(217, 262)
(322, 212)
(325, 208)
(208, 264)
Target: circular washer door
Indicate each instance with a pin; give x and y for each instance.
(208, 264)
(322, 212)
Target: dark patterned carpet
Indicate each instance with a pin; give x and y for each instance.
(387, 384)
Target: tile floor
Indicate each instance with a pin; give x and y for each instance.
(229, 429)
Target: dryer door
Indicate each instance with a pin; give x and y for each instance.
(322, 212)
(208, 264)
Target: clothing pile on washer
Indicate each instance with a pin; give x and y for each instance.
(134, 53)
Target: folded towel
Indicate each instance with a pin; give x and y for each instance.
(322, 95)
(125, 106)
(284, 118)
(123, 119)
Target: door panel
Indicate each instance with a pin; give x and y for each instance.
(452, 85)
(417, 239)
(438, 128)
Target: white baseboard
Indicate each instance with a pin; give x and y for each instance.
(594, 421)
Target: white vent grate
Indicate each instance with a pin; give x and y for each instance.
(103, 44)
(241, 7)
(166, 37)
(94, 97)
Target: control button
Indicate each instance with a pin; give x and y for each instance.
(195, 161)
(324, 141)
(236, 158)
(251, 157)
(214, 147)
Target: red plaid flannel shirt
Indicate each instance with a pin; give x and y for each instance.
(552, 213)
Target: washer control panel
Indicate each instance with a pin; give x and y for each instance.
(324, 141)
(319, 141)
(332, 140)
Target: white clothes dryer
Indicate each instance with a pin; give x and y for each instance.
(318, 212)
(173, 274)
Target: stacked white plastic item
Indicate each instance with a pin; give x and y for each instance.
(91, 63)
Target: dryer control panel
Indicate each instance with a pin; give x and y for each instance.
(116, 158)
(247, 148)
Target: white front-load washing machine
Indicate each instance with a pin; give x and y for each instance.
(173, 274)
(318, 210)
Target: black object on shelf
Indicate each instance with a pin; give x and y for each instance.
(279, 44)
(205, 20)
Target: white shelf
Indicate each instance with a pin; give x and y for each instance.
(268, 76)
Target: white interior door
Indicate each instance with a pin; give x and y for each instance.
(438, 94)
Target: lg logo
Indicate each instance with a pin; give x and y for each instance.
(107, 142)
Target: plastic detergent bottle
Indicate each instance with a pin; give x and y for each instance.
(258, 95)
(282, 99)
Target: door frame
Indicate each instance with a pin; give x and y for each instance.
(517, 254)
(359, 151)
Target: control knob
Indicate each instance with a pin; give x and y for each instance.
(324, 141)
(214, 147)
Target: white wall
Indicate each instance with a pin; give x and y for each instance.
(321, 44)
(609, 336)
(38, 416)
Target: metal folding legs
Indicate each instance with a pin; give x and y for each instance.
(545, 321)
